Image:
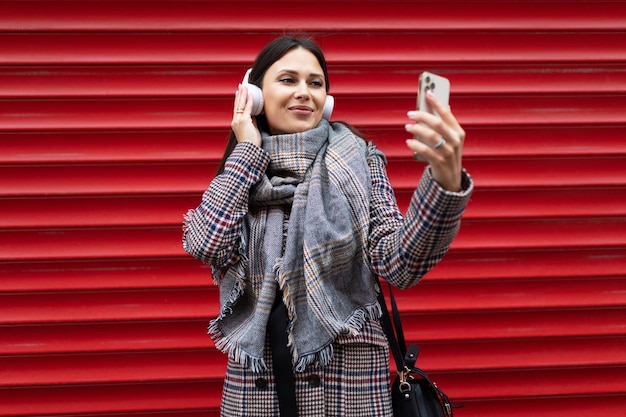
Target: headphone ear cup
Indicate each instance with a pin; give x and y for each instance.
(328, 107)
(256, 93)
(257, 99)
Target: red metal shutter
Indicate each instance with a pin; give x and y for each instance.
(113, 116)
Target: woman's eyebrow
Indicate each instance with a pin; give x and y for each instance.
(294, 72)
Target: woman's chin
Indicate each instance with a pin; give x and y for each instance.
(295, 128)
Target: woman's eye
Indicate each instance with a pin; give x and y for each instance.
(291, 80)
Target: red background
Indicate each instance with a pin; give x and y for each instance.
(114, 114)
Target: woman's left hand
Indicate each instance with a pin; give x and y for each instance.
(440, 144)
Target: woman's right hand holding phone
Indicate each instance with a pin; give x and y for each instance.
(439, 142)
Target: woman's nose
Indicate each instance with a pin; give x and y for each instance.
(302, 90)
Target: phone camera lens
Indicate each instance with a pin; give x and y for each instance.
(432, 86)
(427, 80)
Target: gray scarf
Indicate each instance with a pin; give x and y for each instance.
(321, 264)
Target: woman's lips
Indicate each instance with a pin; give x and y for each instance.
(301, 110)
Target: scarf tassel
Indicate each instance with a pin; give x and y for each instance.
(358, 319)
(353, 326)
(324, 357)
(225, 344)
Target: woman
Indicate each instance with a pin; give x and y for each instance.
(296, 226)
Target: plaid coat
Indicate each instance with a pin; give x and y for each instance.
(357, 381)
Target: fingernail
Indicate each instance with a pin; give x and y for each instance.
(430, 93)
(408, 126)
(411, 113)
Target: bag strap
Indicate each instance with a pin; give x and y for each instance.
(397, 323)
(392, 336)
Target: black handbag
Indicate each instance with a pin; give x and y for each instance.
(413, 393)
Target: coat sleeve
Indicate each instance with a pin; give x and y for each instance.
(212, 231)
(404, 248)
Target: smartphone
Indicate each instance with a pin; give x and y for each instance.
(438, 85)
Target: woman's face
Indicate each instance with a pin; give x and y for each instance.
(294, 92)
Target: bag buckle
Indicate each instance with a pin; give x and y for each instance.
(404, 386)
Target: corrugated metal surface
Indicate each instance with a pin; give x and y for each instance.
(114, 114)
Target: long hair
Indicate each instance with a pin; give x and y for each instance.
(271, 53)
